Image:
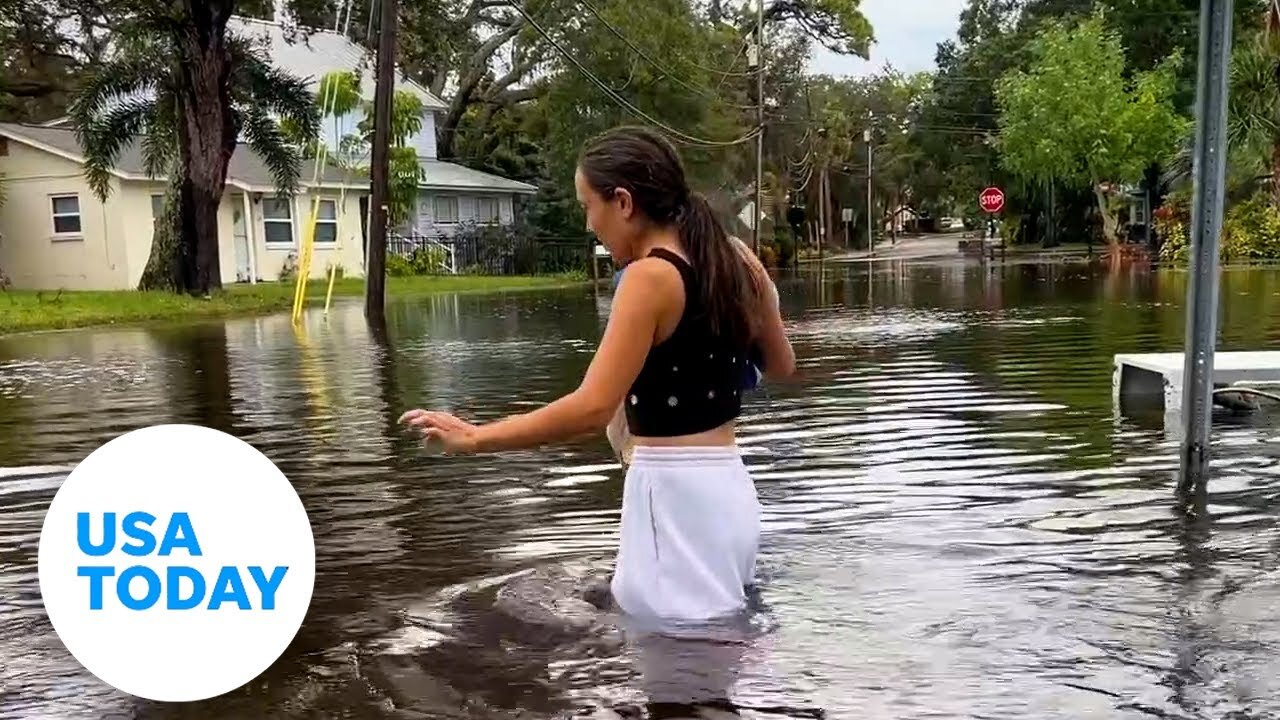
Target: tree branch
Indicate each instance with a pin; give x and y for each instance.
(28, 88)
(477, 67)
(517, 72)
(508, 98)
(479, 6)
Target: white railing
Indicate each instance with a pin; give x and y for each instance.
(444, 252)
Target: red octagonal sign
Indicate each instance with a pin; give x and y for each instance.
(992, 200)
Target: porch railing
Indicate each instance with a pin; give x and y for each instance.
(490, 255)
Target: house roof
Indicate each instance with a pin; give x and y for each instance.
(321, 52)
(440, 175)
(246, 170)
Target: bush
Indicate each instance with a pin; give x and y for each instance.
(1010, 229)
(784, 241)
(1171, 222)
(1250, 231)
(289, 268)
(768, 255)
(398, 266)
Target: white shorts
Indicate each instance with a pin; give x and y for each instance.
(690, 531)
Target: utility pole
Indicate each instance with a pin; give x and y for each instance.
(759, 60)
(822, 208)
(871, 238)
(1206, 225)
(376, 263)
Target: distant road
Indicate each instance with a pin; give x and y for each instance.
(915, 247)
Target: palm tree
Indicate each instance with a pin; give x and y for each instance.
(188, 90)
(1253, 120)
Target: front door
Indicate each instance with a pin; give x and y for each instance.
(240, 236)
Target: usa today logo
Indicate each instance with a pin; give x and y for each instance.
(176, 563)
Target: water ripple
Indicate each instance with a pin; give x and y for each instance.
(958, 523)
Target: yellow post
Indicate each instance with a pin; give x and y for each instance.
(328, 296)
(304, 260)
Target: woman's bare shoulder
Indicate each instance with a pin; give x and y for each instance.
(650, 278)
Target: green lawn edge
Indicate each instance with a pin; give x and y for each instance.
(30, 310)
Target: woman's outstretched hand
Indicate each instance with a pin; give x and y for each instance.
(457, 436)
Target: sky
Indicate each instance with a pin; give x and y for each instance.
(907, 35)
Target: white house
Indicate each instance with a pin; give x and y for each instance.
(451, 194)
(55, 235)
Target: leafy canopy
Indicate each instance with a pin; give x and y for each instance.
(1076, 117)
(133, 98)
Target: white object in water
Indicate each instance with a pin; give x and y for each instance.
(1159, 375)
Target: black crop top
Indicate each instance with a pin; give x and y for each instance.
(691, 382)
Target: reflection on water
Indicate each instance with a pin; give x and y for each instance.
(957, 523)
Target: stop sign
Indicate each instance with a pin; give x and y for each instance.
(992, 200)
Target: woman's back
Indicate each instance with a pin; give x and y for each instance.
(673, 354)
(690, 382)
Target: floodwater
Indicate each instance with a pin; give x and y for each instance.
(958, 524)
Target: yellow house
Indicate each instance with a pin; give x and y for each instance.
(56, 234)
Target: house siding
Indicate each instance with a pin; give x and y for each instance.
(136, 214)
(424, 141)
(114, 243)
(425, 222)
(347, 252)
(30, 255)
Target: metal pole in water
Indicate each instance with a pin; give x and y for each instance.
(758, 210)
(871, 238)
(1206, 226)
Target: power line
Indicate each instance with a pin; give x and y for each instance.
(641, 52)
(704, 92)
(688, 139)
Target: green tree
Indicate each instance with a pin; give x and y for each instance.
(340, 95)
(838, 25)
(678, 91)
(1253, 115)
(186, 90)
(406, 175)
(1075, 118)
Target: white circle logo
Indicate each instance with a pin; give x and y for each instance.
(176, 563)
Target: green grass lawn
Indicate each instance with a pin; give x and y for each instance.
(24, 310)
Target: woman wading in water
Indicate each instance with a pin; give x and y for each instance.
(683, 327)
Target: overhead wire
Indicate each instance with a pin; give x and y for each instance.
(704, 92)
(623, 102)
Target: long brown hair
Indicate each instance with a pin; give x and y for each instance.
(646, 164)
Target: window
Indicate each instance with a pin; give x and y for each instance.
(446, 207)
(277, 221)
(66, 214)
(487, 209)
(157, 206)
(327, 222)
(1138, 211)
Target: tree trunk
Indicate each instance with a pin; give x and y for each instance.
(1110, 223)
(897, 210)
(164, 264)
(475, 70)
(830, 213)
(207, 137)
